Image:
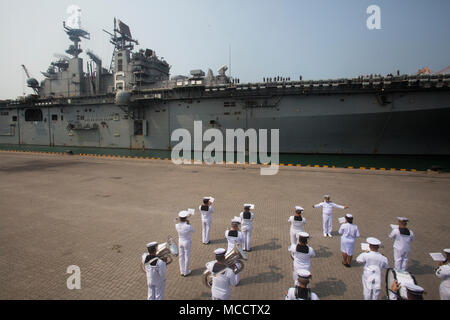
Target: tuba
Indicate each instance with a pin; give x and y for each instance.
(167, 249)
(231, 261)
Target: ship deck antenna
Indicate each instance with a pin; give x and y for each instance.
(230, 59)
(75, 35)
(121, 39)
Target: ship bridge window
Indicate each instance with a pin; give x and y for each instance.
(4, 113)
(33, 115)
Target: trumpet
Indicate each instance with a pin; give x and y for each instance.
(233, 260)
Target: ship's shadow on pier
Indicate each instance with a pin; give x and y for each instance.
(329, 287)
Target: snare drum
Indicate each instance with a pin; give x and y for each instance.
(402, 277)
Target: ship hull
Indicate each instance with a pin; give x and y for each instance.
(411, 123)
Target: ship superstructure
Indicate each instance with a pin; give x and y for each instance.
(135, 104)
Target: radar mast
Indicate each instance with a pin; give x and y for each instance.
(75, 36)
(122, 39)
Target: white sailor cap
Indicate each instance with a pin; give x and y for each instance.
(402, 219)
(373, 241)
(414, 288)
(183, 214)
(236, 220)
(298, 208)
(348, 215)
(303, 273)
(303, 235)
(249, 205)
(327, 196)
(220, 251)
(447, 251)
(210, 199)
(152, 244)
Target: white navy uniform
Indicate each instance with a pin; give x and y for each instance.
(327, 214)
(402, 238)
(443, 273)
(156, 277)
(297, 223)
(220, 289)
(234, 237)
(302, 258)
(206, 212)
(349, 232)
(247, 228)
(184, 243)
(302, 294)
(374, 262)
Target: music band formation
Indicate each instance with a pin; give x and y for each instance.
(224, 271)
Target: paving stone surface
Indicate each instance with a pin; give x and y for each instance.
(98, 214)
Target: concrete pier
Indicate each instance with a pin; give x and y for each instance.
(98, 214)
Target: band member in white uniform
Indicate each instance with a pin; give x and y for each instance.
(155, 268)
(413, 291)
(443, 273)
(223, 276)
(247, 218)
(184, 230)
(349, 232)
(402, 237)
(302, 290)
(301, 253)
(206, 209)
(374, 263)
(327, 214)
(297, 223)
(234, 236)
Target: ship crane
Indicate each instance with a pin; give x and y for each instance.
(31, 82)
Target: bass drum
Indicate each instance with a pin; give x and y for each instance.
(402, 277)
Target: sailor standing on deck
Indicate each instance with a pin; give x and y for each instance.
(297, 223)
(443, 273)
(184, 230)
(247, 218)
(302, 290)
(235, 237)
(402, 237)
(327, 214)
(206, 210)
(301, 253)
(223, 276)
(349, 232)
(374, 263)
(155, 268)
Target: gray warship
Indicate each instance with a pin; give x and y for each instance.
(135, 104)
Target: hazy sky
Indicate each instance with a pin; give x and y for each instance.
(318, 39)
